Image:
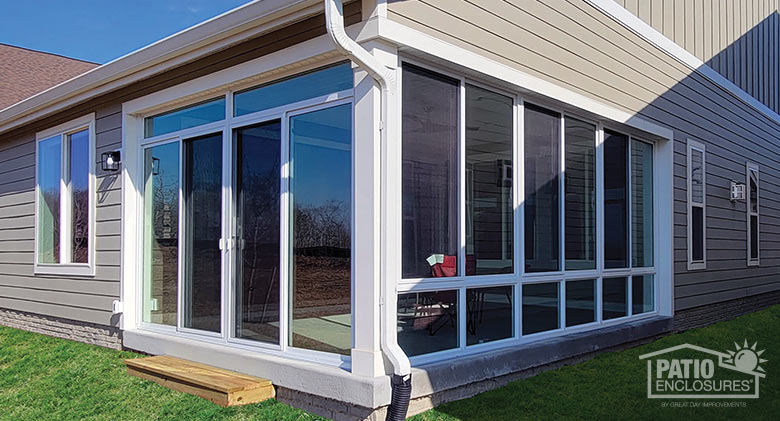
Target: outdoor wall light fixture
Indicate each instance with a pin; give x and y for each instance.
(109, 161)
(737, 191)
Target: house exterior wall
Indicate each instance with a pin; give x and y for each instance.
(575, 45)
(89, 299)
(739, 39)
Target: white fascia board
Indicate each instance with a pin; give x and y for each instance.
(198, 41)
(405, 36)
(636, 25)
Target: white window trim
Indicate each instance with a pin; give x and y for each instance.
(696, 264)
(68, 269)
(749, 213)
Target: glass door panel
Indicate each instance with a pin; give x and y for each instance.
(161, 234)
(256, 192)
(321, 186)
(202, 269)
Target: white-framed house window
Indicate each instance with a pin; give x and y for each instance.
(751, 181)
(697, 206)
(64, 199)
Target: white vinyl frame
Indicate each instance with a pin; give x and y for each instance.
(65, 267)
(696, 146)
(227, 126)
(516, 280)
(753, 168)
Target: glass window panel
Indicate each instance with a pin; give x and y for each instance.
(754, 236)
(489, 227)
(697, 233)
(297, 88)
(161, 234)
(184, 118)
(430, 174)
(79, 191)
(428, 321)
(753, 191)
(614, 293)
(49, 176)
(540, 307)
(580, 195)
(321, 229)
(615, 200)
(641, 204)
(542, 168)
(203, 229)
(697, 176)
(256, 184)
(580, 302)
(488, 314)
(642, 292)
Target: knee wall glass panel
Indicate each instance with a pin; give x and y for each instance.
(642, 294)
(540, 307)
(489, 315)
(641, 204)
(430, 174)
(321, 188)
(580, 195)
(256, 183)
(202, 286)
(614, 298)
(428, 321)
(161, 234)
(542, 206)
(615, 200)
(580, 302)
(49, 174)
(489, 216)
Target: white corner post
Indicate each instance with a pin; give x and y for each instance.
(367, 359)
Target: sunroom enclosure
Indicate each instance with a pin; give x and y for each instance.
(267, 212)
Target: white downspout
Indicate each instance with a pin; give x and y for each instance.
(334, 22)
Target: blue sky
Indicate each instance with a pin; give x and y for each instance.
(100, 30)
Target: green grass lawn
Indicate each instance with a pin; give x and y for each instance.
(614, 385)
(44, 378)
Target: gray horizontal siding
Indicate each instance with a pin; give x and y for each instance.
(739, 39)
(89, 299)
(572, 44)
(86, 299)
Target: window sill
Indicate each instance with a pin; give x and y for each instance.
(80, 270)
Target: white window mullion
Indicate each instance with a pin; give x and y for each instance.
(65, 195)
(462, 179)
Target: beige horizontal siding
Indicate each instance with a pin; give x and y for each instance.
(738, 38)
(574, 45)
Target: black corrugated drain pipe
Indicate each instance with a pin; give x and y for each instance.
(402, 393)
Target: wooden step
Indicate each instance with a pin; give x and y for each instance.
(223, 387)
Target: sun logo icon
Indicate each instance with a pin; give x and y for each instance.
(746, 359)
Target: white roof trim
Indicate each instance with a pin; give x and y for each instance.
(202, 39)
(612, 9)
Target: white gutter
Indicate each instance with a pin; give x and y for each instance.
(334, 22)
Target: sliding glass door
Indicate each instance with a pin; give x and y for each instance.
(247, 217)
(202, 280)
(256, 194)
